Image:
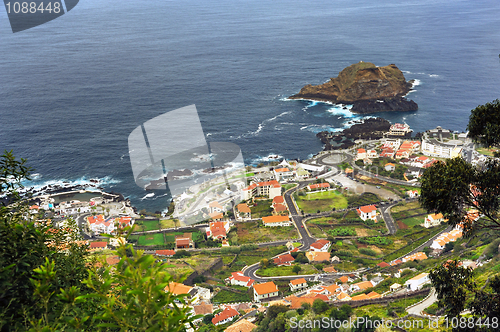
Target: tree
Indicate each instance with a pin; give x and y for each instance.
(49, 283)
(484, 124)
(453, 188)
(296, 269)
(264, 263)
(319, 306)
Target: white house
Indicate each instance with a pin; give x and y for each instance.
(284, 174)
(318, 186)
(264, 291)
(215, 207)
(273, 221)
(321, 245)
(390, 167)
(298, 284)
(432, 147)
(243, 212)
(417, 282)
(433, 220)
(239, 279)
(98, 224)
(361, 154)
(367, 212)
(227, 315)
(412, 193)
(218, 230)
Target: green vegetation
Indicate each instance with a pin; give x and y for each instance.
(342, 231)
(261, 208)
(275, 271)
(225, 296)
(255, 232)
(363, 199)
(320, 201)
(376, 240)
(46, 289)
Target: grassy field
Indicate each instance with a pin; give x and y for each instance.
(322, 201)
(225, 296)
(142, 225)
(413, 221)
(486, 151)
(363, 199)
(253, 232)
(149, 239)
(261, 208)
(277, 271)
(168, 223)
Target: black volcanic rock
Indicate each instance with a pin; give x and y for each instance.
(367, 87)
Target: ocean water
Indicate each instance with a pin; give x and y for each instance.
(73, 89)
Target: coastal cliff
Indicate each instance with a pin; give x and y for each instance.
(367, 87)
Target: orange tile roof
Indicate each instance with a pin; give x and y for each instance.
(280, 208)
(319, 185)
(280, 170)
(344, 279)
(165, 252)
(298, 281)
(329, 269)
(320, 243)
(332, 288)
(216, 215)
(296, 302)
(215, 204)
(34, 207)
(390, 164)
(342, 296)
(203, 309)
(113, 260)
(278, 200)
(241, 326)
(265, 288)
(94, 245)
(368, 208)
(177, 288)
(243, 208)
(361, 150)
(363, 285)
(360, 297)
(283, 259)
(227, 313)
(383, 264)
(373, 295)
(275, 219)
(318, 256)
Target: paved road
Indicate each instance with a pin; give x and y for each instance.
(385, 211)
(417, 309)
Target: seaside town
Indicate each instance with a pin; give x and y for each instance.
(344, 227)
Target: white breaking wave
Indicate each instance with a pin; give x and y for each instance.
(339, 110)
(261, 125)
(148, 196)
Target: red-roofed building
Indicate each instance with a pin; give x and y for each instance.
(383, 264)
(320, 245)
(227, 315)
(367, 212)
(124, 221)
(297, 284)
(396, 262)
(218, 230)
(318, 186)
(361, 154)
(283, 174)
(98, 224)
(98, 245)
(167, 253)
(239, 279)
(264, 291)
(184, 241)
(268, 189)
(276, 221)
(285, 259)
(243, 212)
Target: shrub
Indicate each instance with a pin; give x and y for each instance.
(366, 251)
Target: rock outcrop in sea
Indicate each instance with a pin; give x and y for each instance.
(368, 129)
(367, 87)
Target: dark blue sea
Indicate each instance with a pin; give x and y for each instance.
(73, 89)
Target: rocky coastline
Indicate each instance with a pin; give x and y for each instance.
(365, 86)
(372, 128)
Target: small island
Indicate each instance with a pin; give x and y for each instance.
(367, 87)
